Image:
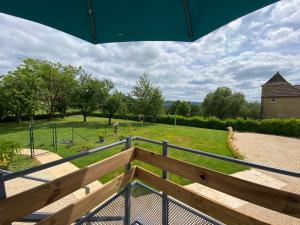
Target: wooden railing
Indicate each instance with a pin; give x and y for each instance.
(22, 204)
(17, 206)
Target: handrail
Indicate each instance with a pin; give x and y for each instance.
(60, 161)
(25, 176)
(225, 158)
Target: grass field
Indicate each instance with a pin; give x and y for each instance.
(21, 162)
(85, 135)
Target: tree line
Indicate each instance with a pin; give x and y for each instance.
(38, 86)
(222, 103)
(41, 85)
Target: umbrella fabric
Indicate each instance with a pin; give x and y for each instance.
(103, 21)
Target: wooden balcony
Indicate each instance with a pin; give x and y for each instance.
(20, 205)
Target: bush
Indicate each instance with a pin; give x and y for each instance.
(8, 150)
(285, 127)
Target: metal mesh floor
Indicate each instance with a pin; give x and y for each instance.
(145, 209)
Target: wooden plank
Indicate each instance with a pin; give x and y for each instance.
(271, 198)
(76, 210)
(22, 204)
(216, 210)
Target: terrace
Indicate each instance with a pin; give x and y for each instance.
(140, 197)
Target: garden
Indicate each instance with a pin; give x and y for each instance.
(74, 136)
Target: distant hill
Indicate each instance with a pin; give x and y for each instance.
(168, 103)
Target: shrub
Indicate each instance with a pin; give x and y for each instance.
(8, 150)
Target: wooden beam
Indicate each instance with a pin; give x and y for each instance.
(271, 198)
(76, 210)
(210, 207)
(24, 203)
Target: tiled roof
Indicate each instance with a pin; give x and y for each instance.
(275, 80)
(285, 90)
(297, 86)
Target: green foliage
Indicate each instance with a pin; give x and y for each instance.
(182, 108)
(8, 150)
(147, 100)
(285, 127)
(250, 110)
(22, 162)
(115, 103)
(90, 93)
(21, 89)
(223, 103)
(57, 82)
(195, 110)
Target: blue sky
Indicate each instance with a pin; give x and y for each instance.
(241, 55)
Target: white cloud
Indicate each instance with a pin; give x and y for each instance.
(241, 55)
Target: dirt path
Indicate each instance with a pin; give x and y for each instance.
(276, 151)
(18, 185)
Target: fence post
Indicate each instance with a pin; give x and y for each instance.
(55, 140)
(165, 175)
(128, 188)
(31, 140)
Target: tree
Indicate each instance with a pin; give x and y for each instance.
(250, 110)
(223, 103)
(22, 90)
(234, 105)
(115, 103)
(57, 83)
(88, 92)
(195, 110)
(148, 100)
(182, 108)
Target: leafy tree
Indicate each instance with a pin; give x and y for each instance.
(223, 103)
(250, 110)
(195, 110)
(87, 92)
(115, 103)
(234, 105)
(148, 100)
(182, 108)
(22, 90)
(57, 83)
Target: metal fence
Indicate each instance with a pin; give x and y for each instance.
(136, 196)
(145, 208)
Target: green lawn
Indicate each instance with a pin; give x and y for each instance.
(21, 162)
(85, 135)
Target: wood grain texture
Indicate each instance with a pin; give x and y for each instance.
(76, 210)
(271, 198)
(24, 203)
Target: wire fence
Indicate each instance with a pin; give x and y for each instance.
(54, 136)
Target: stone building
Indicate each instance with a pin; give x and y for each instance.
(280, 99)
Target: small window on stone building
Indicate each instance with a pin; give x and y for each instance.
(273, 100)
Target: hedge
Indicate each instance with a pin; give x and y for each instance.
(284, 127)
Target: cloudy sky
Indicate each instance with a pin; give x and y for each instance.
(241, 55)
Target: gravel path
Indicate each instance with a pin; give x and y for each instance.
(276, 151)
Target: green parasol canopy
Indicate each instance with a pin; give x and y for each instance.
(103, 21)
